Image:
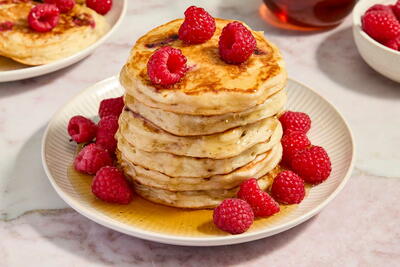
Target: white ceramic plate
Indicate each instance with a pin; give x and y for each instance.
(329, 130)
(13, 71)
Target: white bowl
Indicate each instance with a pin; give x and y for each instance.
(114, 18)
(384, 60)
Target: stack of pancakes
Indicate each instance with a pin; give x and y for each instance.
(192, 144)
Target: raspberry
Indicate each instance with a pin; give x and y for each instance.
(111, 106)
(312, 164)
(261, 203)
(396, 9)
(381, 25)
(106, 130)
(81, 129)
(63, 5)
(166, 66)
(288, 188)
(233, 216)
(6, 26)
(100, 6)
(91, 158)
(393, 44)
(198, 26)
(379, 7)
(110, 185)
(292, 143)
(43, 17)
(295, 121)
(236, 43)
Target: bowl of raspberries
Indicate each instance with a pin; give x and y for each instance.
(376, 30)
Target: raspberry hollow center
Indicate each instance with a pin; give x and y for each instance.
(166, 66)
(229, 41)
(174, 64)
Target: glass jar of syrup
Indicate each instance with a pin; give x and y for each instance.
(306, 14)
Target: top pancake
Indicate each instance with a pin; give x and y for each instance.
(75, 31)
(211, 86)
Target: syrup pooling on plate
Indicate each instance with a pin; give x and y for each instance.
(9, 64)
(152, 217)
(336, 138)
(165, 86)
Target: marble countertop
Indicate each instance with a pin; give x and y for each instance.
(359, 228)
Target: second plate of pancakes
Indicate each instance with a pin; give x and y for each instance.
(156, 222)
(11, 70)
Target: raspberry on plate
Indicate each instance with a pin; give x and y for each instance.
(236, 43)
(100, 6)
(292, 143)
(166, 66)
(91, 158)
(295, 121)
(6, 26)
(312, 164)
(43, 17)
(233, 216)
(288, 188)
(381, 25)
(111, 106)
(63, 5)
(198, 26)
(107, 127)
(110, 185)
(262, 204)
(81, 129)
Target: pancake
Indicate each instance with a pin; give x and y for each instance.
(74, 32)
(196, 199)
(211, 86)
(188, 125)
(180, 166)
(146, 136)
(191, 144)
(260, 166)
